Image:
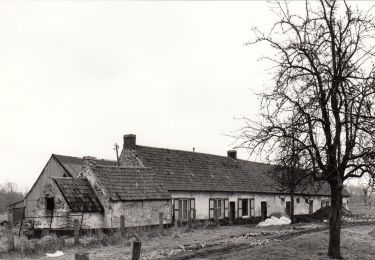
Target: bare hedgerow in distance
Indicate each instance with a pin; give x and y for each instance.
(368, 187)
(322, 97)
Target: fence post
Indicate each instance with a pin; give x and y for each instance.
(81, 256)
(136, 250)
(161, 221)
(175, 222)
(216, 216)
(122, 225)
(76, 231)
(189, 219)
(194, 217)
(10, 232)
(230, 217)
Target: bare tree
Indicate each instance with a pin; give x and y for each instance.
(323, 93)
(287, 174)
(9, 194)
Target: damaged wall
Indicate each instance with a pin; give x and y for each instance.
(61, 217)
(137, 213)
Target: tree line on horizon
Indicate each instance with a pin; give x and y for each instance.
(9, 193)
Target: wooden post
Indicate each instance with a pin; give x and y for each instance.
(122, 225)
(136, 250)
(230, 217)
(161, 221)
(10, 232)
(23, 216)
(175, 222)
(216, 216)
(81, 256)
(189, 219)
(76, 231)
(195, 217)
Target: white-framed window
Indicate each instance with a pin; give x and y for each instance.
(182, 207)
(246, 208)
(218, 203)
(324, 203)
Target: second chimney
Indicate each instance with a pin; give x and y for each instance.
(88, 161)
(129, 142)
(232, 154)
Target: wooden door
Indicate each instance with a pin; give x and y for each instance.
(311, 207)
(263, 209)
(232, 209)
(288, 208)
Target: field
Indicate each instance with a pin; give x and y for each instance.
(362, 211)
(356, 244)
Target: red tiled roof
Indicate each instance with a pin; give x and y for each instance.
(191, 171)
(130, 183)
(79, 194)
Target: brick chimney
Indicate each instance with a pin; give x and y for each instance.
(129, 142)
(232, 154)
(88, 161)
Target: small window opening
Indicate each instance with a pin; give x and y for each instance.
(297, 200)
(245, 207)
(50, 204)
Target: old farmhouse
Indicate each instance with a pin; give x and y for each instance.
(149, 181)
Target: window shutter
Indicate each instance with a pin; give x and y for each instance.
(192, 203)
(239, 208)
(179, 209)
(252, 208)
(211, 209)
(226, 204)
(175, 208)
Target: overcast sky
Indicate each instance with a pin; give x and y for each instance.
(76, 76)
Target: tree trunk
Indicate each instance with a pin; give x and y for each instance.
(292, 206)
(335, 221)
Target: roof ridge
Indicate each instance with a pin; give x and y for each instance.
(81, 158)
(121, 167)
(64, 178)
(191, 152)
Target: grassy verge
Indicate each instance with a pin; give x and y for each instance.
(357, 243)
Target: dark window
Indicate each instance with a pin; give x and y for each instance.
(245, 207)
(282, 200)
(324, 203)
(297, 200)
(221, 204)
(307, 200)
(182, 208)
(50, 204)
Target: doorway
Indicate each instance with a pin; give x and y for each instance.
(288, 208)
(311, 207)
(232, 209)
(263, 209)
